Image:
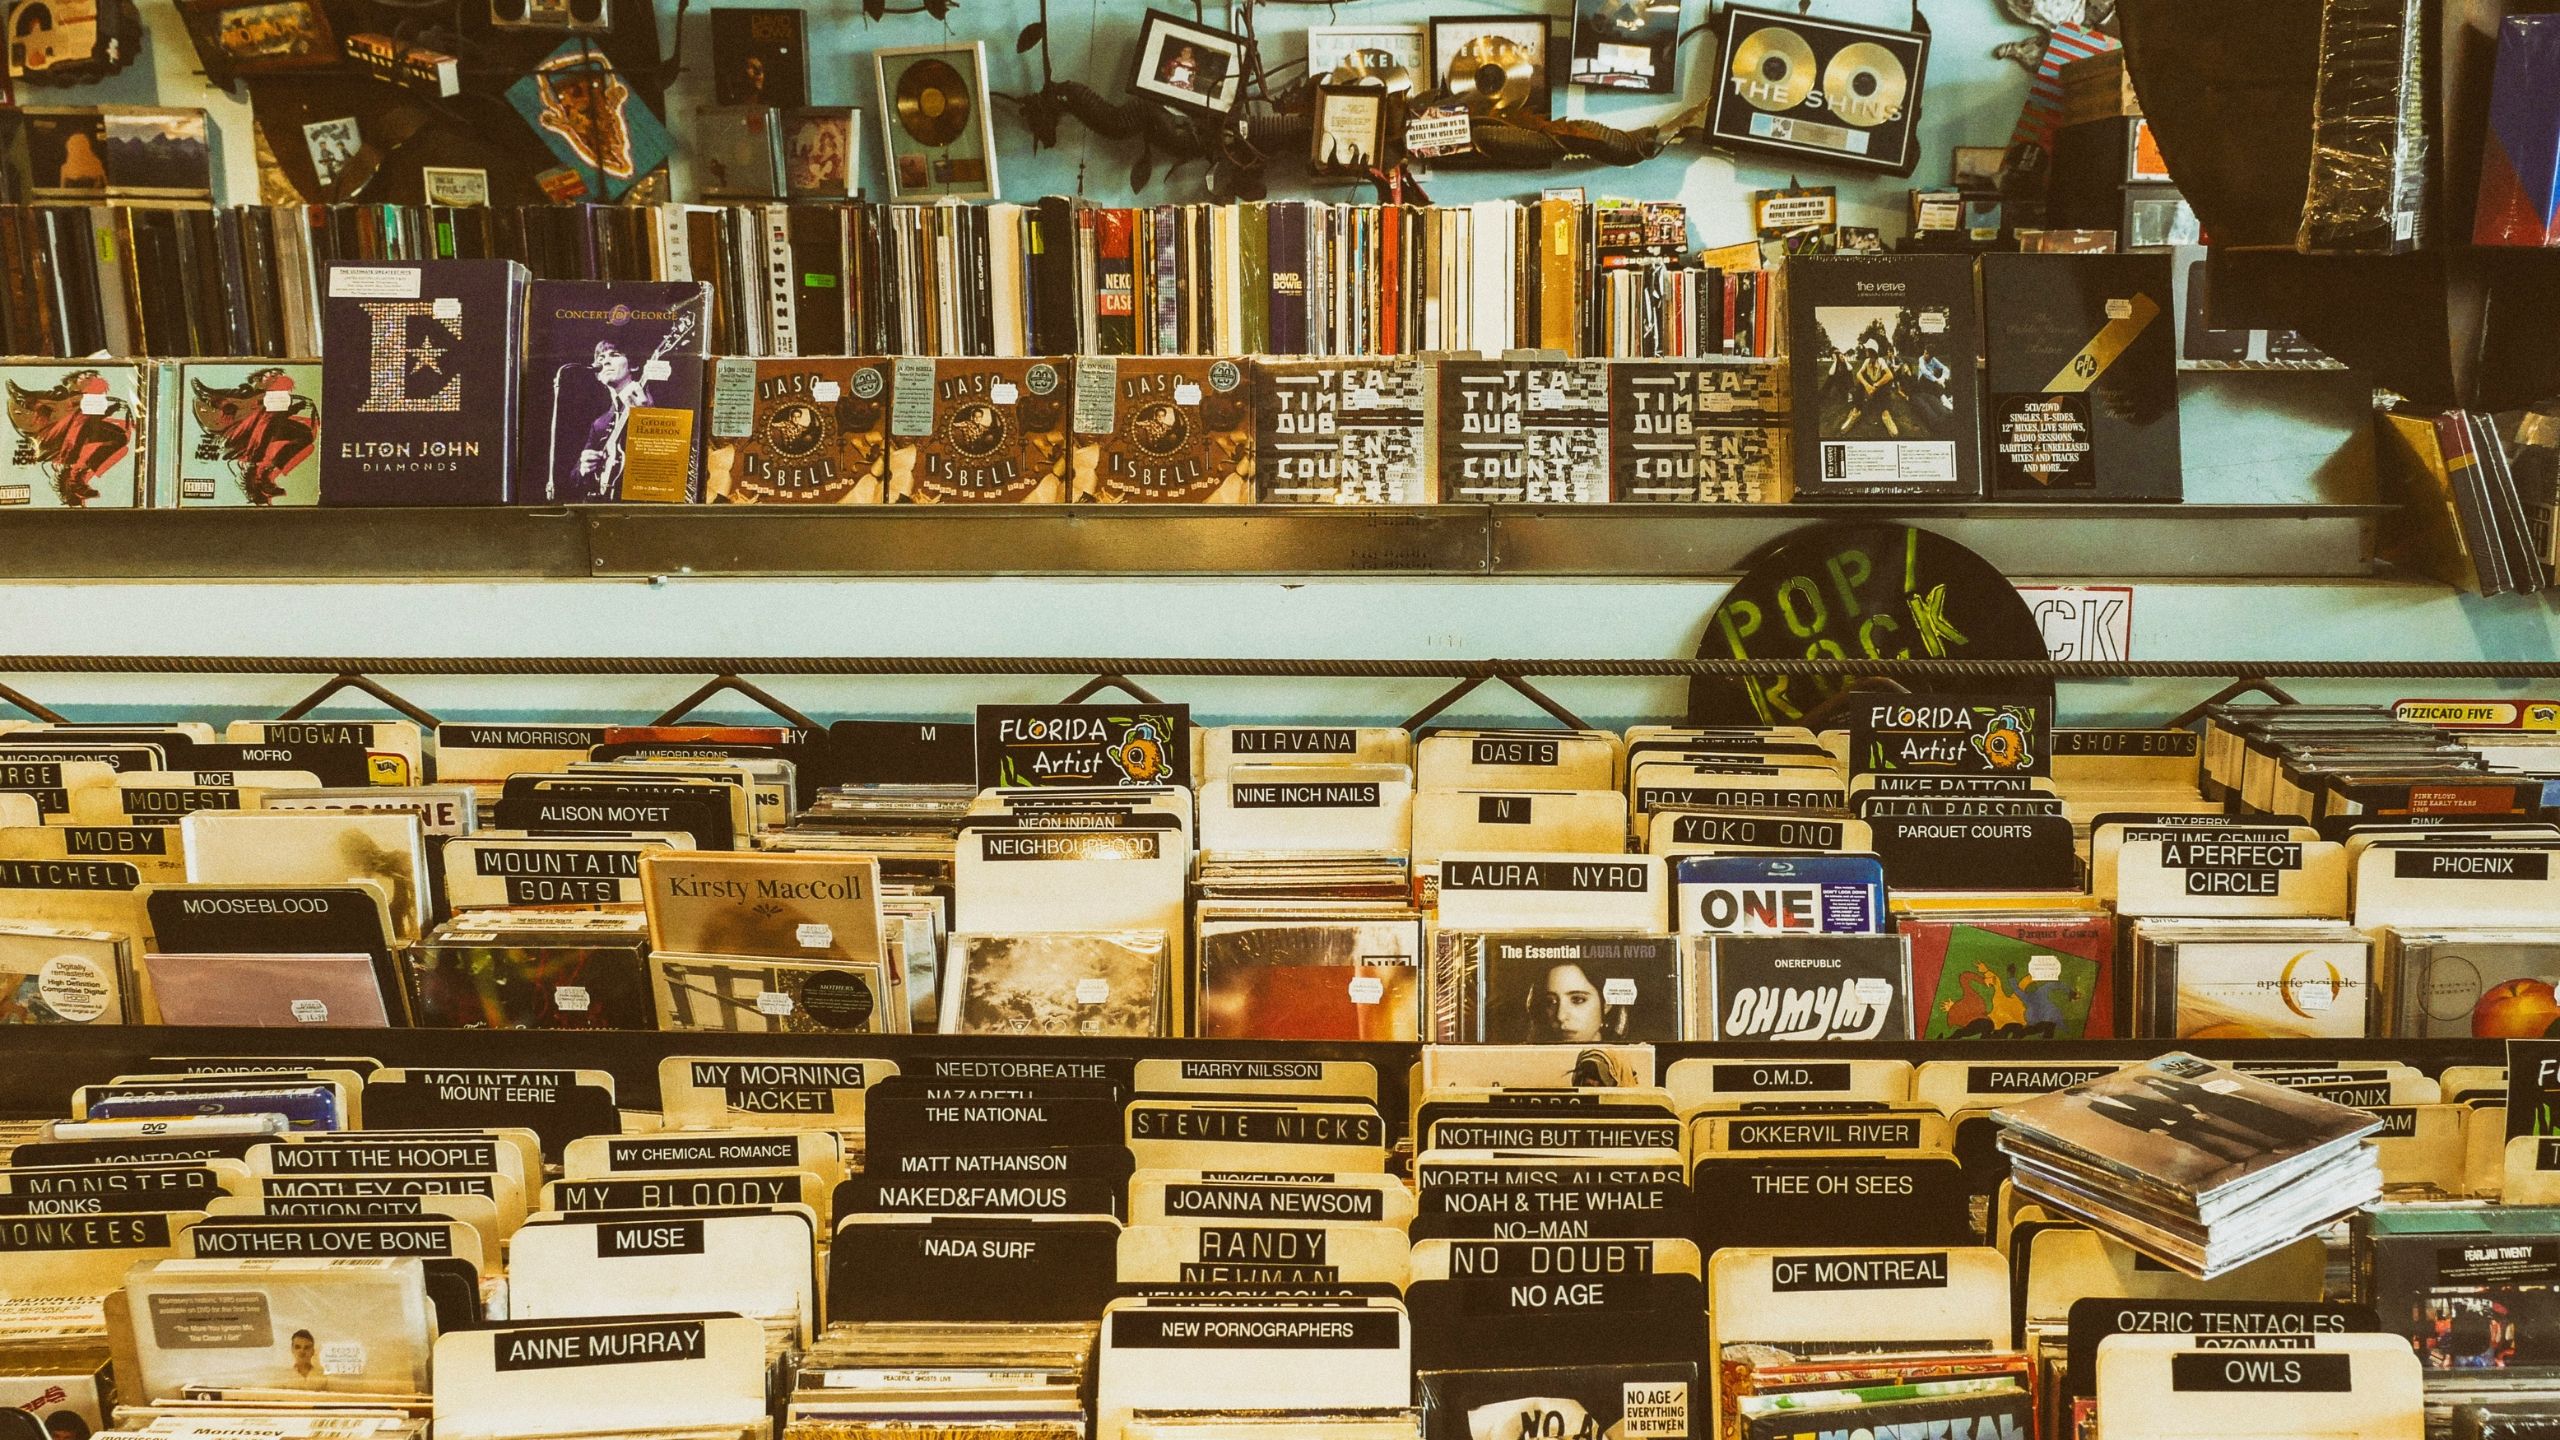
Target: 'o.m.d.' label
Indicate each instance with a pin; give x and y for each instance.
(2215, 866)
(653, 1237)
(2228, 1372)
(1119, 845)
(1591, 876)
(1780, 1077)
(1304, 795)
(742, 1152)
(1293, 740)
(2471, 865)
(1254, 1127)
(1271, 1329)
(600, 1345)
(1790, 1274)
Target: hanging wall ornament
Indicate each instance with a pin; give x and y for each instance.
(71, 42)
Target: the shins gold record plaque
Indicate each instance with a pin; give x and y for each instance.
(1492, 65)
(978, 431)
(1806, 88)
(806, 431)
(1868, 590)
(1168, 431)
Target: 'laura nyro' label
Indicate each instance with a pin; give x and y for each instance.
(2230, 1372)
(1581, 876)
(1789, 1274)
(555, 1349)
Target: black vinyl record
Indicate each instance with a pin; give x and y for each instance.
(1860, 590)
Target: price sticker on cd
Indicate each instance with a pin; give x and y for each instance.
(2044, 969)
(733, 399)
(1097, 394)
(1874, 993)
(342, 1357)
(911, 398)
(657, 370)
(311, 1012)
(1618, 990)
(93, 403)
(1005, 392)
(773, 1002)
(446, 307)
(1093, 990)
(570, 999)
(277, 400)
(814, 935)
(1367, 989)
(825, 392)
(1186, 393)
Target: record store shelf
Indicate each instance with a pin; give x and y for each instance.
(1613, 541)
(50, 1060)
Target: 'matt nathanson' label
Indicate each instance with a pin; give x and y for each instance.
(600, 1345)
(1789, 1274)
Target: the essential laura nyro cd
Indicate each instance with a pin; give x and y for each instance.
(933, 103)
(1490, 73)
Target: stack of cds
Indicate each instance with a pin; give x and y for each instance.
(2197, 1165)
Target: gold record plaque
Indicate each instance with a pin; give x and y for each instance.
(1865, 83)
(1773, 70)
(933, 103)
(1491, 75)
(1163, 430)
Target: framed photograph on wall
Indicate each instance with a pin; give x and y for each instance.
(934, 121)
(1188, 64)
(1351, 129)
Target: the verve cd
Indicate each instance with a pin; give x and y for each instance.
(933, 102)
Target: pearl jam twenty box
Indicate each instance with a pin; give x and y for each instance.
(2082, 391)
(419, 394)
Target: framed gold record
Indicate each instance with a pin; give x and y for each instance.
(1494, 65)
(937, 143)
(1396, 58)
